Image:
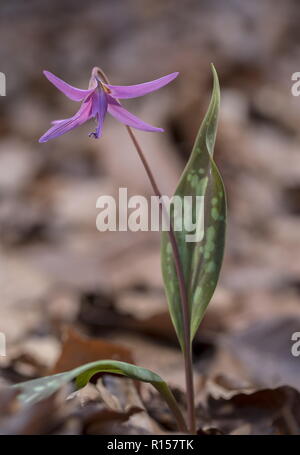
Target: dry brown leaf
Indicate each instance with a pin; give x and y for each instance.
(99, 420)
(267, 411)
(78, 349)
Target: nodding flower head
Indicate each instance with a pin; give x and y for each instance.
(100, 98)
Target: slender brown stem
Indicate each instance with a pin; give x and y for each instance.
(187, 352)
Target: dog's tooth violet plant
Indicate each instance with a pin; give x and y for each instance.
(190, 268)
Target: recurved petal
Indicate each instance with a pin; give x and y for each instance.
(133, 91)
(63, 126)
(75, 94)
(121, 114)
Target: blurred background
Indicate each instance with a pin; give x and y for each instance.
(58, 271)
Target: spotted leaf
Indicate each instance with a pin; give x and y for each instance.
(201, 253)
(38, 389)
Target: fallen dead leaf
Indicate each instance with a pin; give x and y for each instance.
(267, 411)
(78, 349)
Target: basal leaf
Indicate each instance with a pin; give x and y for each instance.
(38, 389)
(201, 259)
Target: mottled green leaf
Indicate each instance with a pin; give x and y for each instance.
(38, 389)
(201, 260)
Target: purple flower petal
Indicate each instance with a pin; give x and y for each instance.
(132, 91)
(99, 109)
(75, 94)
(121, 114)
(63, 126)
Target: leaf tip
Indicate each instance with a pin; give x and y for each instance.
(215, 76)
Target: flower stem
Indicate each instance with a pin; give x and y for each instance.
(187, 352)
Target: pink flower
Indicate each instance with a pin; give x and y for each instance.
(99, 99)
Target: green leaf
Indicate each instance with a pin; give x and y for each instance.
(38, 389)
(201, 260)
